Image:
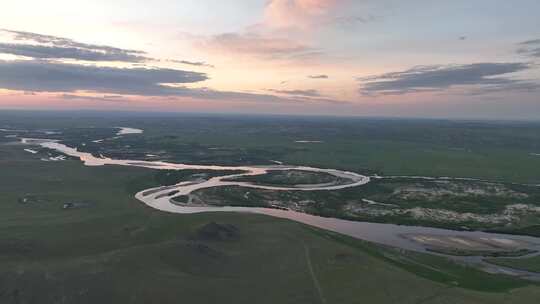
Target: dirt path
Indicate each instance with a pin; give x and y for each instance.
(313, 276)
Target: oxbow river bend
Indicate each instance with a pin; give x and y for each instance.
(386, 234)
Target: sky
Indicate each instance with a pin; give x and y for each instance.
(418, 58)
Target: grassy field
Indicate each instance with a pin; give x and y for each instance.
(292, 178)
(501, 151)
(116, 250)
(529, 264)
(455, 205)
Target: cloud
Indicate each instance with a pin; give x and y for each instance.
(260, 45)
(530, 48)
(53, 47)
(55, 52)
(306, 15)
(60, 41)
(350, 22)
(46, 76)
(194, 63)
(322, 76)
(286, 31)
(442, 77)
(514, 87)
(115, 98)
(305, 93)
(529, 42)
(36, 75)
(298, 13)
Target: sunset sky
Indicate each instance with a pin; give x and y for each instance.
(417, 58)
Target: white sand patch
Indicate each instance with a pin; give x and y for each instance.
(309, 142)
(126, 131)
(57, 158)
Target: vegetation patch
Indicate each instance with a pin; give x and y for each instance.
(528, 264)
(217, 232)
(485, 253)
(292, 178)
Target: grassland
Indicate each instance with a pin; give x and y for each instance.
(528, 264)
(119, 251)
(502, 151)
(455, 205)
(292, 178)
(484, 253)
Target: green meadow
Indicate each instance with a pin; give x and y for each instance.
(116, 250)
(75, 234)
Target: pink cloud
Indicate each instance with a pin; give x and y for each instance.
(285, 32)
(259, 45)
(298, 13)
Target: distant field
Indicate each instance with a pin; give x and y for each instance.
(500, 151)
(292, 178)
(115, 250)
(529, 264)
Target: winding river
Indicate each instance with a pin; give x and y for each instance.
(386, 234)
